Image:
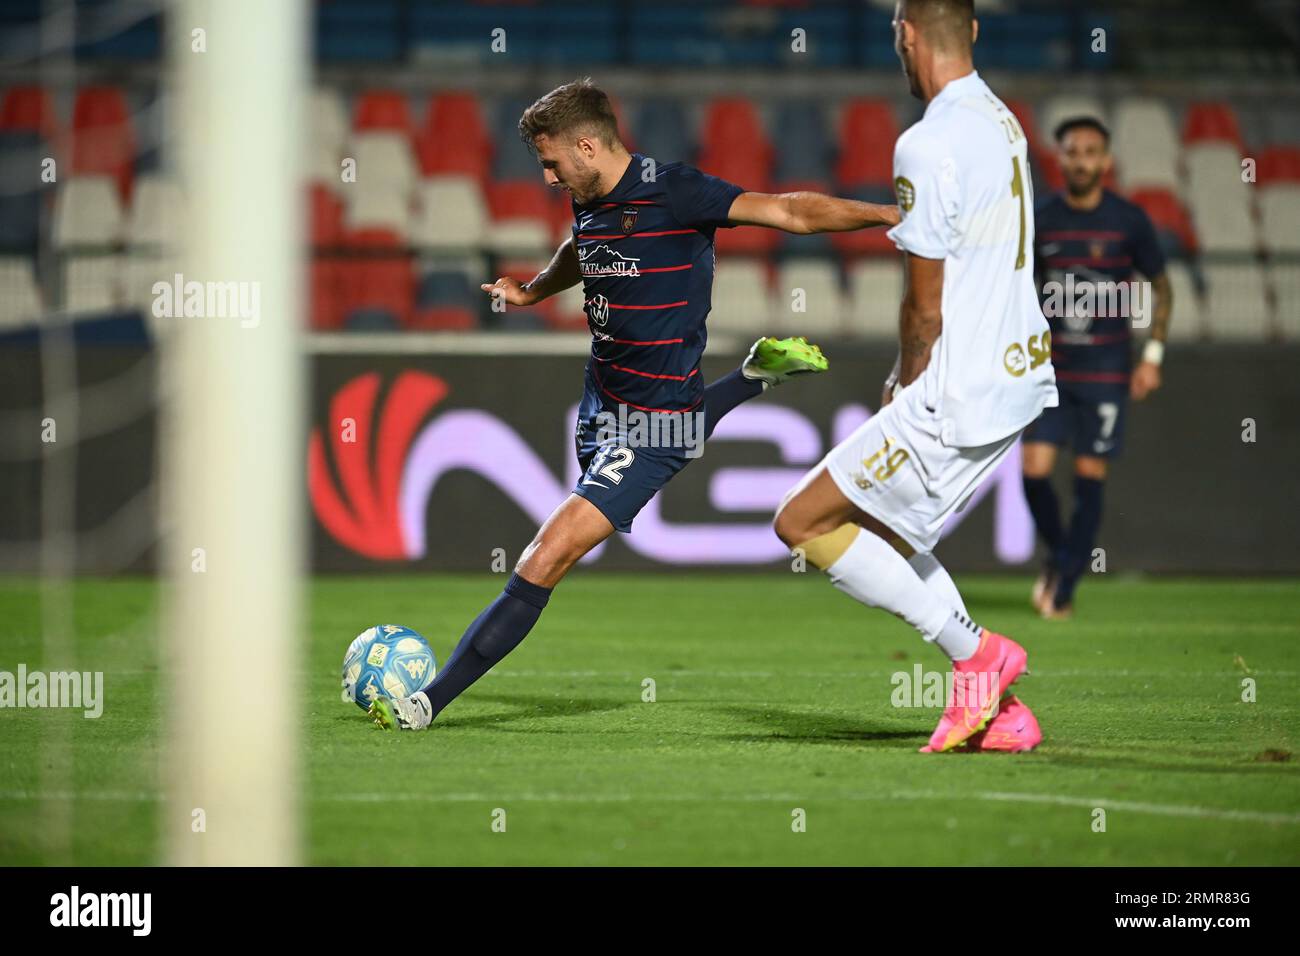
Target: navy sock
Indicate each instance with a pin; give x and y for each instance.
(1084, 524)
(495, 633)
(724, 395)
(1047, 515)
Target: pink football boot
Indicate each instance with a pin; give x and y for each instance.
(978, 684)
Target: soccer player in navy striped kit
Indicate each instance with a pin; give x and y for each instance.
(642, 245)
(1087, 241)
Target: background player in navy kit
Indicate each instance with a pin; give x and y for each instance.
(642, 246)
(1087, 234)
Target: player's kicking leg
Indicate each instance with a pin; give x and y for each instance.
(617, 482)
(573, 529)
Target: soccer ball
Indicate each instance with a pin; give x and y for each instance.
(386, 660)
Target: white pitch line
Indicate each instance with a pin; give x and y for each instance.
(499, 799)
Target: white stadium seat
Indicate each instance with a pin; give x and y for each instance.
(383, 159)
(1236, 306)
(92, 283)
(377, 206)
(20, 299)
(157, 212)
(740, 298)
(823, 299)
(87, 212)
(1068, 106)
(875, 291)
(520, 237)
(449, 213)
(1279, 212)
(1145, 144)
(1222, 206)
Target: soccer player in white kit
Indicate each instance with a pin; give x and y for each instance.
(974, 369)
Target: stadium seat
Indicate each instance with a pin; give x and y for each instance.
(1188, 323)
(869, 242)
(371, 320)
(1168, 216)
(822, 296)
(449, 213)
(1278, 164)
(1220, 203)
(384, 159)
(733, 144)
(454, 139)
(87, 212)
(521, 218)
(325, 295)
(745, 241)
(875, 291)
(22, 194)
(326, 216)
(20, 299)
(384, 282)
(523, 318)
(1279, 208)
(141, 271)
(867, 134)
(1210, 123)
(1145, 145)
(1236, 303)
(1068, 106)
(511, 159)
(29, 109)
(741, 303)
(92, 283)
(382, 111)
(445, 301)
(374, 206)
(157, 213)
(102, 138)
(1284, 279)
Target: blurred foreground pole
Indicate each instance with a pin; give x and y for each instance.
(232, 441)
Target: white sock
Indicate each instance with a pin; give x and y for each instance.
(937, 578)
(872, 572)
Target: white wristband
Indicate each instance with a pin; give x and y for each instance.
(1153, 352)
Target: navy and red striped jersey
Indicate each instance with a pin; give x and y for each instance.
(1105, 244)
(646, 254)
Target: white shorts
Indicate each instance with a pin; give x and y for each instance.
(895, 468)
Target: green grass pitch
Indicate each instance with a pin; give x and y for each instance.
(773, 693)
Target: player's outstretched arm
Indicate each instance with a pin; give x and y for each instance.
(920, 319)
(560, 274)
(804, 213)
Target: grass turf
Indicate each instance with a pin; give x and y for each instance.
(772, 694)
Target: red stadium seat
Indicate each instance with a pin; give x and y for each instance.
(868, 131)
(454, 139)
(1279, 164)
(746, 169)
(386, 282)
(102, 140)
(29, 109)
(1167, 213)
(746, 241)
(1025, 114)
(520, 199)
(326, 216)
(863, 242)
(382, 111)
(731, 125)
(326, 311)
(1212, 122)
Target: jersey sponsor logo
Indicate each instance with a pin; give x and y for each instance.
(598, 309)
(905, 192)
(1013, 360)
(601, 260)
(1040, 351)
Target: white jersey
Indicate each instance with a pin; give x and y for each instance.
(963, 184)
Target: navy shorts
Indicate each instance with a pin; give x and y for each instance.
(1090, 418)
(619, 477)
